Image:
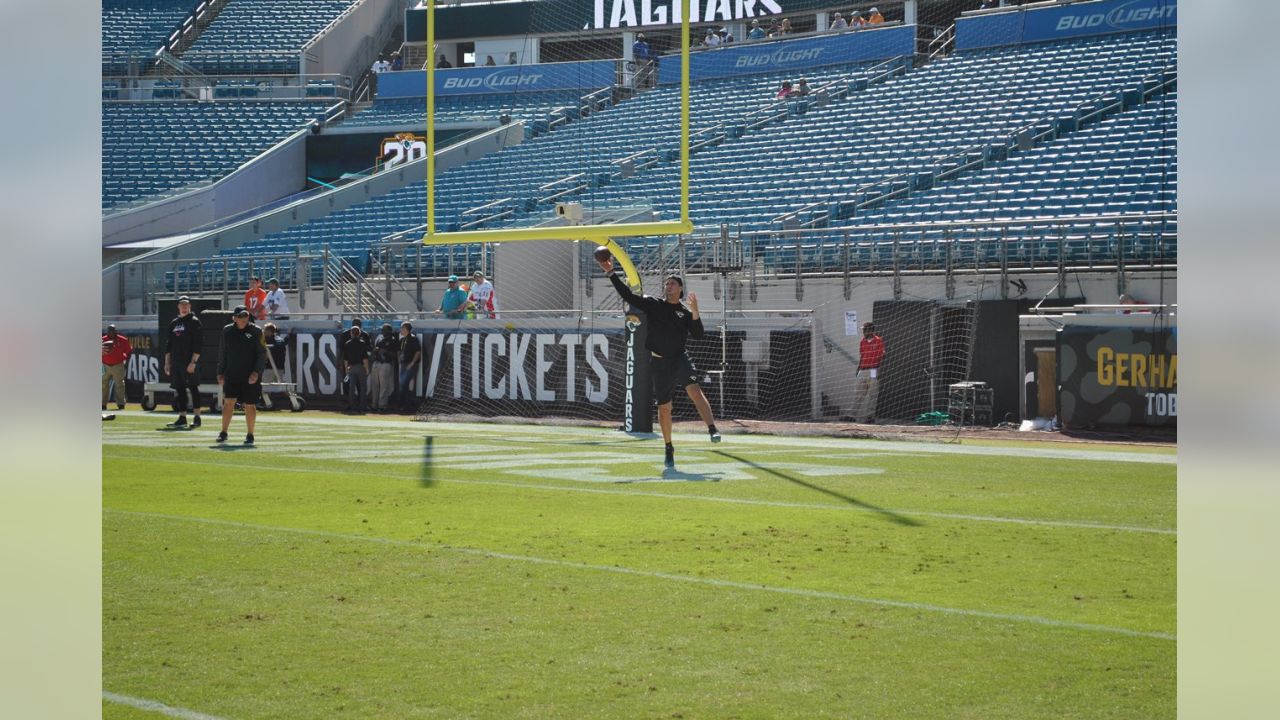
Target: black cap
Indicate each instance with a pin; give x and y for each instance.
(184, 299)
(240, 310)
(355, 322)
(111, 328)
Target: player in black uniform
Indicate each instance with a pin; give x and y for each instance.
(241, 359)
(670, 325)
(181, 353)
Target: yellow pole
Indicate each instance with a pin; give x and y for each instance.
(684, 116)
(431, 113)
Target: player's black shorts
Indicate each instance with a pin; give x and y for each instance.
(245, 392)
(669, 373)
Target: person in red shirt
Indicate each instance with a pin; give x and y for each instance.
(866, 383)
(115, 361)
(255, 298)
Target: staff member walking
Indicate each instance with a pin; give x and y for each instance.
(115, 361)
(241, 359)
(181, 353)
(670, 326)
(866, 384)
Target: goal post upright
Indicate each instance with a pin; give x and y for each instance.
(606, 235)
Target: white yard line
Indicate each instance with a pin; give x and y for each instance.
(1080, 525)
(802, 592)
(156, 707)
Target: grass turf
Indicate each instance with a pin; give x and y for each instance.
(374, 568)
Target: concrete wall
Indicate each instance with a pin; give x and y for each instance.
(277, 173)
(352, 44)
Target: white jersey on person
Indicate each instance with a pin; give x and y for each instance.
(486, 300)
(277, 304)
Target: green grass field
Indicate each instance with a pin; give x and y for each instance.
(377, 568)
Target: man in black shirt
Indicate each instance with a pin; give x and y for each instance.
(410, 354)
(383, 379)
(355, 366)
(670, 325)
(181, 354)
(241, 359)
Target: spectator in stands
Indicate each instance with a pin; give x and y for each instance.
(383, 380)
(241, 359)
(410, 354)
(455, 301)
(756, 32)
(785, 91)
(855, 20)
(115, 362)
(874, 17)
(866, 383)
(182, 346)
(726, 37)
(277, 304)
(380, 66)
(488, 61)
(396, 62)
(712, 39)
(801, 89)
(1127, 299)
(511, 58)
(784, 28)
(355, 367)
(483, 298)
(255, 299)
(838, 22)
(646, 61)
(444, 63)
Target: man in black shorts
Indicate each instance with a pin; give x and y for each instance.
(670, 325)
(181, 354)
(241, 360)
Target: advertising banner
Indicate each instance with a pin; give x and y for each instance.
(585, 75)
(1117, 376)
(1064, 21)
(798, 55)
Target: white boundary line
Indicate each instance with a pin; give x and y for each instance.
(1078, 525)
(157, 707)
(802, 592)
(513, 433)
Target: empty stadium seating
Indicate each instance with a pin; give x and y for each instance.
(138, 27)
(261, 35)
(820, 155)
(151, 148)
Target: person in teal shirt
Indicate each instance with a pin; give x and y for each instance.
(454, 303)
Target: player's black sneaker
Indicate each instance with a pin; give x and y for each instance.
(670, 459)
(195, 422)
(715, 434)
(181, 422)
(248, 439)
(222, 436)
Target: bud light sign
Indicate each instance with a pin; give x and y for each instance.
(584, 76)
(1073, 20)
(750, 58)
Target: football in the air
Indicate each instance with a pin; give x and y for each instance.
(602, 253)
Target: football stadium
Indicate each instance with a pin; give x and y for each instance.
(618, 359)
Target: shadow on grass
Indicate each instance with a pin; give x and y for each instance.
(675, 474)
(427, 471)
(891, 515)
(232, 447)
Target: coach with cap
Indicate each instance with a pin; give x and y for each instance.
(241, 359)
(182, 343)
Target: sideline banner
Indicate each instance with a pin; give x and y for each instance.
(1064, 21)
(753, 58)
(1118, 376)
(585, 75)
